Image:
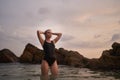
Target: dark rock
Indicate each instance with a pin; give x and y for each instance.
(7, 56)
(71, 58)
(93, 64)
(115, 45)
(116, 49)
(31, 54)
(109, 59)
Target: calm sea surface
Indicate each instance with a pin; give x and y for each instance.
(17, 71)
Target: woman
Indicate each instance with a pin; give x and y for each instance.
(49, 60)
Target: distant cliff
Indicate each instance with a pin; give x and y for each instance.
(31, 54)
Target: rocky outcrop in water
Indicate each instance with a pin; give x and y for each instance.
(7, 56)
(116, 49)
(31, 54)
(110, 59)
(71, 58)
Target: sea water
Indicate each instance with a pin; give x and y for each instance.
(18, 71)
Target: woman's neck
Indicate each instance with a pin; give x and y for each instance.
(48, 40)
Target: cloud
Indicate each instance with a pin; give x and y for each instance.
(43, 11)
(86, 44)
(67, 38)
(20, 34)
(119, 22)
(115, 37)
(97, 36)
(84, 23)
(82, 18)
(1, 28)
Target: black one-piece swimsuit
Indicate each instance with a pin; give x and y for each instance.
(49, 49)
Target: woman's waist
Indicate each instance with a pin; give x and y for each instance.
(50, 55)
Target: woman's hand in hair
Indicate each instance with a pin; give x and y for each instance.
(40, 32)
(58, 36)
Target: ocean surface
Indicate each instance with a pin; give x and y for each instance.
(18, 71)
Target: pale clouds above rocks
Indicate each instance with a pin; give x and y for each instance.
(84, 23)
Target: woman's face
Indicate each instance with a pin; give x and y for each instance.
(48, 34)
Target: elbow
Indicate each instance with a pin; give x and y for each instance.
(60, 34)
(37, 31)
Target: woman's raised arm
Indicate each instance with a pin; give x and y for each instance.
(40, 37)
(58, 37)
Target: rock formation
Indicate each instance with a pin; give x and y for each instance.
(31, 54)
(7, 56)
(110, 59)
(71, 58)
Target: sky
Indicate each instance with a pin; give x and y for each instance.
(88, 26)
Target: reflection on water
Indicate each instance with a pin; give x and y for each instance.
(17, 71)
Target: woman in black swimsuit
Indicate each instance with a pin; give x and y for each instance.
(49, 59)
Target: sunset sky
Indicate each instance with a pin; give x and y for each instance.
(88, 26)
